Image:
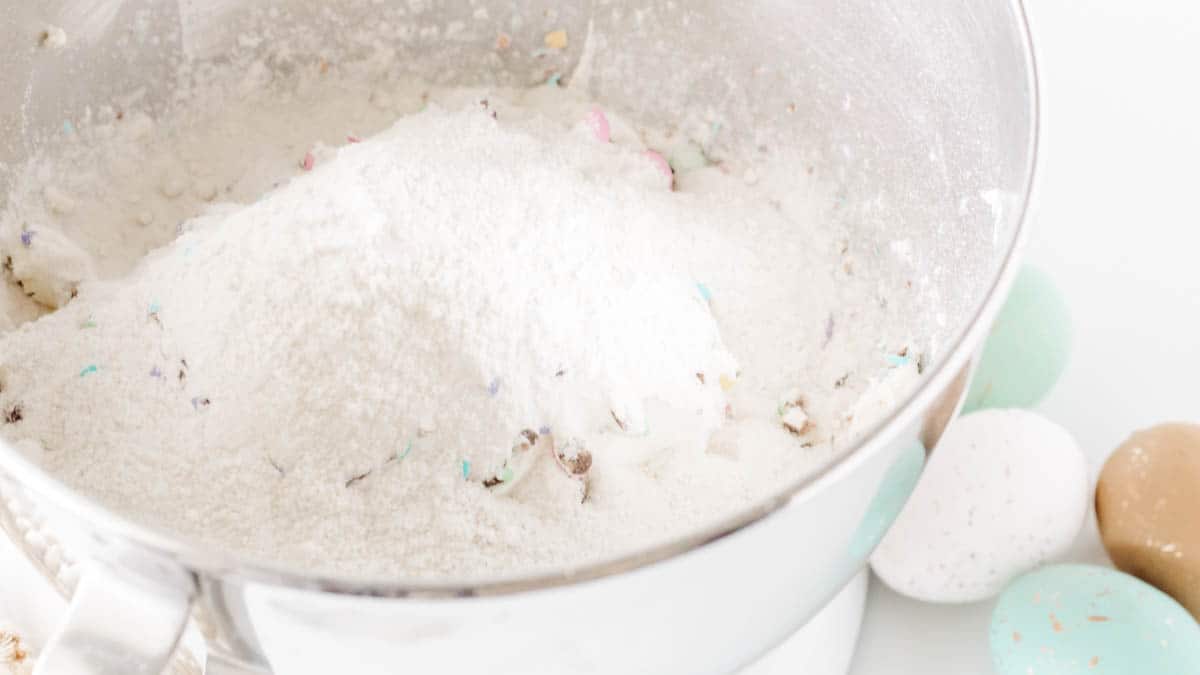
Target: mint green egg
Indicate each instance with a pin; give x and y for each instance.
(894, 491)
(1086, 620)
(1027, 349)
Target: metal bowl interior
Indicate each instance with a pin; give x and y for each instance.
(926, 114)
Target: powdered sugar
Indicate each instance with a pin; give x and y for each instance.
(397, 362)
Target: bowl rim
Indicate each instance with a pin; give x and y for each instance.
(195, 558)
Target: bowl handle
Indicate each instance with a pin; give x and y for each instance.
(121, 621)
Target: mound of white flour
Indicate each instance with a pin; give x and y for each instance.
(486, 340)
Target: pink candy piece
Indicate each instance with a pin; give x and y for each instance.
(661, 164)
(598, 123)
(353, 139)
(308, 162)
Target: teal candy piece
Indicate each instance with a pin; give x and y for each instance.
(1086, 620)
(1027, 349)
(889, 500)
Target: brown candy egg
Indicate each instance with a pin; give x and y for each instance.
(1148, 507)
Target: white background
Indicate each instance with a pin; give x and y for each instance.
(1117, 225)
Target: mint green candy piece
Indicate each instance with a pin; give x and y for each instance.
(687, 157)
(1027, 349)
(1087, 620)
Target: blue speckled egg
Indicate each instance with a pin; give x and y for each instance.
(1086, 620)
(1027, 349)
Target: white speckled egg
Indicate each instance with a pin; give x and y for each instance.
(1004, 491)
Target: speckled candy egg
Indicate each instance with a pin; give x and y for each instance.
(1148, 508)
(1027, 348)
(1003, 492)
(1084, 620)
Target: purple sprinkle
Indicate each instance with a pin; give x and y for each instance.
(494, 387)
(544, 430)
(27, 238)
(156, 373)
(199, 401)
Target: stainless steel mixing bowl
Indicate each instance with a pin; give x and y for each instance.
(925, 111)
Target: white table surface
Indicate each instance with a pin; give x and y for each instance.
(1118, 227)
